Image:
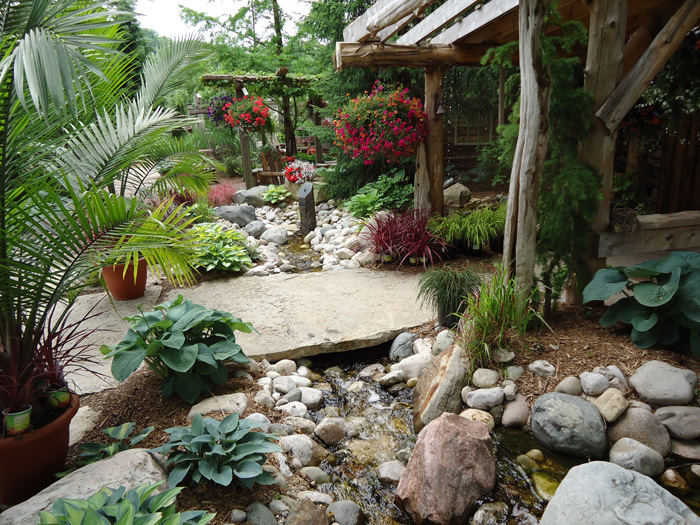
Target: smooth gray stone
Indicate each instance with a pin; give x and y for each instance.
(402, 346)
(681, 422)
(661, 384)
(347, 512)
(633, 455)
(241, 215)
(259, 514)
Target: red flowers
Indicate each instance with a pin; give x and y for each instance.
(384, 124)
(299, 171)
(249, 113)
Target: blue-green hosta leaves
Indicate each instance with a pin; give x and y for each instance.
(662, 303)
(185, 343)
(606, 283)
(223, 452)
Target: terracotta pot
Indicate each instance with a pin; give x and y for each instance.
(123, 288)
(30, 461)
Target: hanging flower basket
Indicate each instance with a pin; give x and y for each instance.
(249, 113)
(384, 124)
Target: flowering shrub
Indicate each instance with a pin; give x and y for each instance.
(249, 113)
(300, 171)
(384, 124)
(216, 111)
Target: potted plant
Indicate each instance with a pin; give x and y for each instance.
(68, 163)
(445, 290)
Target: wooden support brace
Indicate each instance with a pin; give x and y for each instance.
(366, 54)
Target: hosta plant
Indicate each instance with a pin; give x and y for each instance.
(219, 249)
(123, 440)
(220, 451)
(138, 506)
(276, 194)
(662, 299)
(185, 344)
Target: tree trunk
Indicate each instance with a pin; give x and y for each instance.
(289, 138)
(421, 183)
(434, 77)
(531, 148)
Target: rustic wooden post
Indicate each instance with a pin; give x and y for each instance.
(245, 146)
(531, 148)
(434, 77)
(318, 146)
(604, 61)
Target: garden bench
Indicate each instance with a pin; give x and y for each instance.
(272, 171)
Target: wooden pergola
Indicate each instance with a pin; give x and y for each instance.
(629, 42)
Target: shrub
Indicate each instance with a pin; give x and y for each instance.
(473, 231)
(445, 290)
(219, 451)
(202, 211)
(219, 249)
(276, 194)
(662, 300)
(221, 194)
(184, 343)
(389, 192)
(138, 506)
(497, 315)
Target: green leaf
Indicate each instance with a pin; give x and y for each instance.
(120, 432)
(188, 386)
(606, 283)
(220, 375)
(652, 294)
(645, 339)
(179, 360)
(197, 425)
(644, 321)
(623, 310)
(229, 423)
(695, 342)
(174, 340)
(178, 474)
(126, 363)
(141, 435)
(223, 476)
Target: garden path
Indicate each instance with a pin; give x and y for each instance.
(296, 315)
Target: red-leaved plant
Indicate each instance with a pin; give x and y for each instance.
(221, 194)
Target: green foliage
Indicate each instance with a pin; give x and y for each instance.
(662, 300)
(185, 344)
(389, 192)
(219, 249)
(497, 316)
(276, 194)
(223, 451)
(138, 506)
(472, 231)
(445, 290)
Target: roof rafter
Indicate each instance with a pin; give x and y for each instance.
(477, 19)
(384, 19)
(438, 19)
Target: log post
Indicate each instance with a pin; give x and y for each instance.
(434, 77)
(245, 146)
(531, 148)
(606, 42)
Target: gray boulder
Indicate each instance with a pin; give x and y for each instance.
(278, 235)
(641, 425)
(347, 512)
(259, 514)
(390, 472)
(569, 424)
(306, 513)
(413, 365)
(516, 412)
(303, 448)
(442, 341)
(402, 346)
(661, 384)
(439, 386)
(253, 196)
(593, 383)
(228, 404)
(485, 398)
(569, 385)
(255, 228)
(601, 493)
(456, 196)
(241, 215)
(542, 368)
(127, 469)
(681, 422)
(633, 455)
(485, 378)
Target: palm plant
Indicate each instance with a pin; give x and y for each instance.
(72, 153)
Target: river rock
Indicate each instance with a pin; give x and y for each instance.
(294, 408)
(228, 404)
(300, 424)
(252, 196)
(514, 372)
(261, 420)
(241, 215)
(311, 397)
(422, 346)
(479, 415)
(661, 384)
(129, 469)
(569, 385)
(633, 455)
(390, 472)
(283, 384)
(439, 386)
(516, 413)
(485, 398)
(277, 234)
(237, 516)
(612, 404)
(285, 367)
(402, 346)
(442, 341)
(318, 475)
(347, 512)
(259, 514)
(673, 479)
(503, 355)
(545, 484)
(509, 391)
(490, 514)
(332, 430)
(615, 376)
(594, 384)
(451, 467)
(485, 378)
(255, 228)
(569, 424)
(413, 365)
(681, 422)
(372, 370)
(542, 368)
(393, 378)
(305, 512)
(315, 496)
(641, 425)
(456, 196)
(686, 449)
(601, 493)
(303, 448)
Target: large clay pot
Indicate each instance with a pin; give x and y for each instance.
(123, 288)
(29, 461)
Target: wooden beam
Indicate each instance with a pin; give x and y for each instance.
(395, 12)
(367, 54)
(654, 58)
(475, 20)
(658, 232)
(434, 142)
(357, 30)
(438, 19)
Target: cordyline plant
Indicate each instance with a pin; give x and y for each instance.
(72, 147)
(384, 124)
